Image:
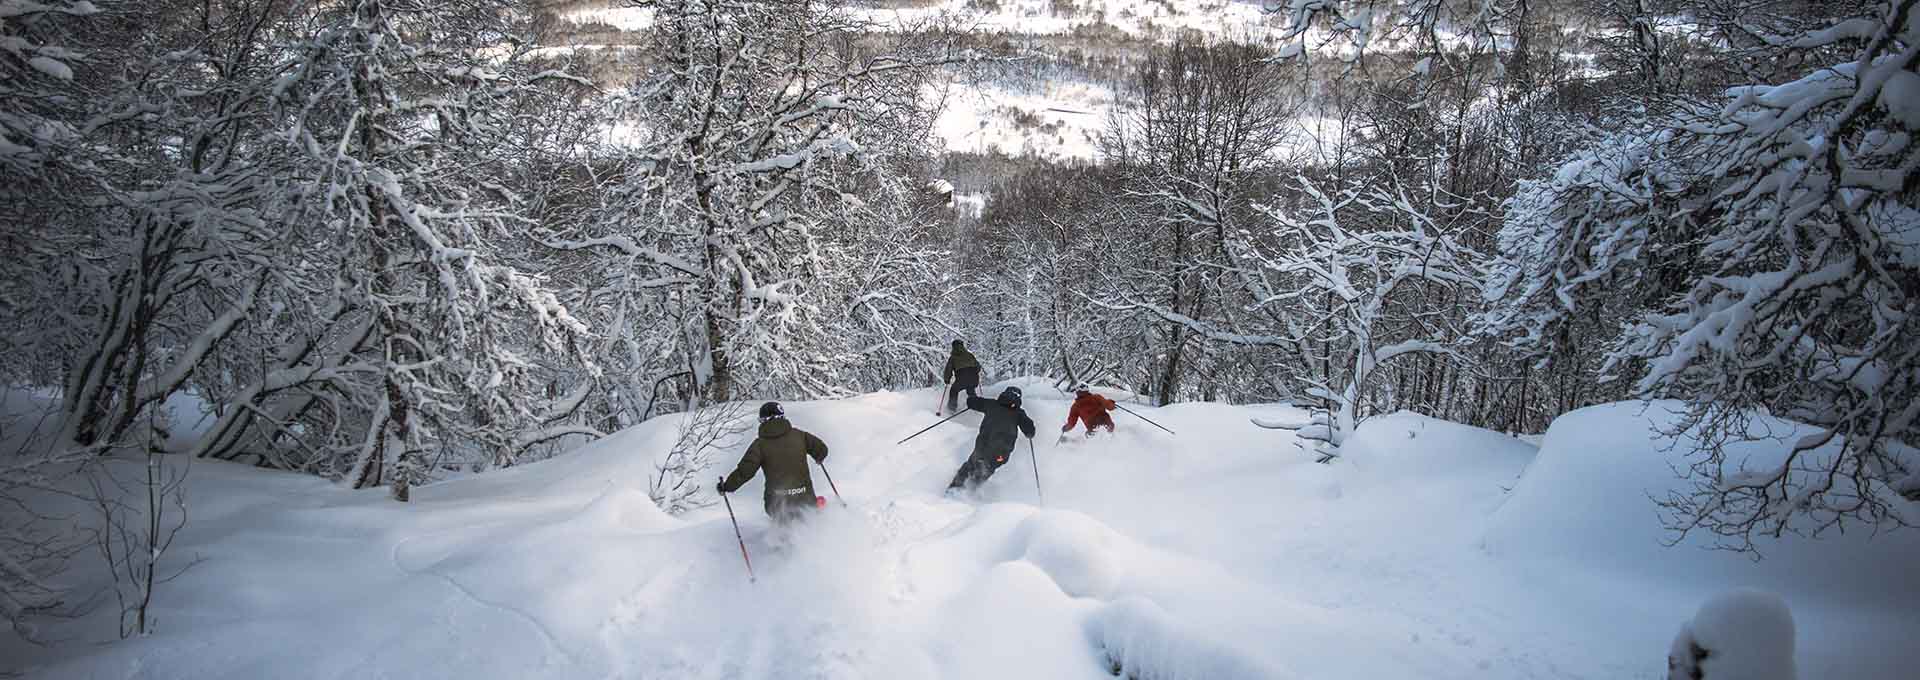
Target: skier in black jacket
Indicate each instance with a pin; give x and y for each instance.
(1000, 418)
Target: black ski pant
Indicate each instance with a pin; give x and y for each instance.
(967, 379)
(979, 466)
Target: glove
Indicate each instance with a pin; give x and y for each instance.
(1064, 428)
(720, 487)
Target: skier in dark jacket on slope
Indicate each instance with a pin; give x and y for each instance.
(1000, 419)
(961, 373)
(781, 450)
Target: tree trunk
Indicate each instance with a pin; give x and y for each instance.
(1169, 386)
(719, 387)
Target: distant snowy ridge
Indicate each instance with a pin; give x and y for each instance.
(1061, 119)
(1219, 19)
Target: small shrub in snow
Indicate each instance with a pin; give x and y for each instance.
(140, 515)
(680, 480)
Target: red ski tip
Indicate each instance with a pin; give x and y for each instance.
(819, 501)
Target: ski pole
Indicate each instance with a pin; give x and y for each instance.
(1149, 422)
(1035, 460)
(736, 535)
(956, 414)
(830, 484)
(940, 398)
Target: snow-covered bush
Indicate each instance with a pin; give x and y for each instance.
(1763, 255)
(1739, 635)
(1366, 252)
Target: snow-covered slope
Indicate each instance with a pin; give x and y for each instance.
(1219, 553)
(1057, 120)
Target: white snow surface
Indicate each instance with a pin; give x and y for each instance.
(1223, 552)
(1061, 118)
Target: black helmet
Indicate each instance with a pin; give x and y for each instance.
(957, 344)
(1010, 397)
(771, 410)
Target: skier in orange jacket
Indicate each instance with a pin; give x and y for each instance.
(1091, 409)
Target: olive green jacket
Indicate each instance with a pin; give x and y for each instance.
(782, 451)
(961, 358)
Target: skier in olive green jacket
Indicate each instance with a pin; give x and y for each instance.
(781, 450)
(1001, 422)
(961, 373)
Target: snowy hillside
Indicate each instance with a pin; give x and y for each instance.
(1236, 20)
(1157, 20)
(1059, 120)
(1058, 116)
(1430, 550)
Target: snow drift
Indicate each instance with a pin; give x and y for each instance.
(1586, 502)
(1220, 553)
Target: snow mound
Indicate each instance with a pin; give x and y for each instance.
(1408, 445)
(1086, 558)
(625, 507)
(1745, 634)
(1587, 501)
(1139, 640)
(1012, 618)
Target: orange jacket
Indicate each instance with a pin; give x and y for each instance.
(1091, 408)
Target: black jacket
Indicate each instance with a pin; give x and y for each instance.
(997, 435)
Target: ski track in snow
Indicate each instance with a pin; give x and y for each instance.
(1224, 553)
(545, 634)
